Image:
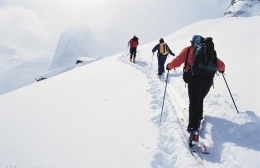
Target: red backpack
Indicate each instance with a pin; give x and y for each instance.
(134, 42)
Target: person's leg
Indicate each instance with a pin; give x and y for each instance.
(163, 62)
(159, 65)
(198, 88)
(131, 53)
(134, 53)
(194, 93)
(207, 83)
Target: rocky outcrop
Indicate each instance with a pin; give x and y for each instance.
(243, 8)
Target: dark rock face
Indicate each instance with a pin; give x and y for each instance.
(243, 8)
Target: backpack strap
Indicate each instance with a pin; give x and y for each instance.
(186, 61)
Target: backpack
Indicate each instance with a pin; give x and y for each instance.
(163, 49)
(205, 58)
(134, 42)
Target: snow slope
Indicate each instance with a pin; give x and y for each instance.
(106, 113)
(20, 68)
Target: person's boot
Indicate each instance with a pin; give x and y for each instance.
(134, 60)
(194, 137)
(130, 59)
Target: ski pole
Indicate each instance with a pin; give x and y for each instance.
(151, 64)
(164, 96)
(230, 93)
(127, 51)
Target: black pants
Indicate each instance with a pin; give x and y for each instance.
(161, 62)
(198, 88)
(132, 52)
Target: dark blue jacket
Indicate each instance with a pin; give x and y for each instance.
(157, 47)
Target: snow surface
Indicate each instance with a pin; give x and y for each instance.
(106, 113)
(20, 69)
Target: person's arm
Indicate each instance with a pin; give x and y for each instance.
(130, 41)
(170, 51)
(178, 60)
(221, 66)
(155, 48)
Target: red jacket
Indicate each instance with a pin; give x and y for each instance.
(181, 58)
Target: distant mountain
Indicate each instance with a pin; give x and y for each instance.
(73, 43)
(20, 60)
(77, 42)
(243, 8)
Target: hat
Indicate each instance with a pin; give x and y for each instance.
(161, 40)
(194, 37)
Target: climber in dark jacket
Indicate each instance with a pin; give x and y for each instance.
(162, 52)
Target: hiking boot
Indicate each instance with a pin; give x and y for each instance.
(194, 137)
(130, 59)
(159, 76)
(134, 60)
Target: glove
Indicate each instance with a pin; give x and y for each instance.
(167, 67)
(222, 71)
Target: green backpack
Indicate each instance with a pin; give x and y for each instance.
(205, 58)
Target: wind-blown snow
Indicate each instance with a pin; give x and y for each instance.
(106, 113)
